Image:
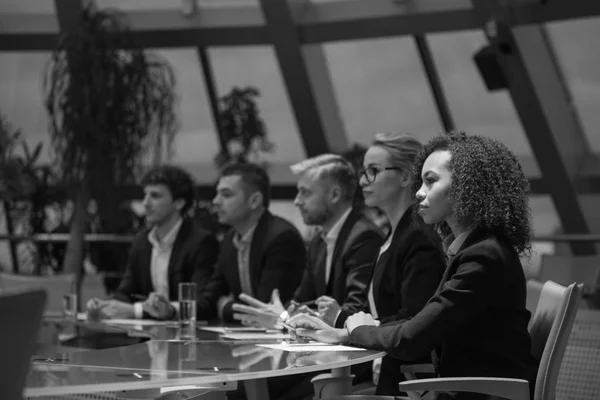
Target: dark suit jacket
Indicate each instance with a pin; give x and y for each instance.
(477, 318)
(405, 278)
(355, 248)
(277, 259)
(192, 259)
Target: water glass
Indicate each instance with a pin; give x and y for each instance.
(187, 305)
(70, 306)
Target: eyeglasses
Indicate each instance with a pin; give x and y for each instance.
(370, 173)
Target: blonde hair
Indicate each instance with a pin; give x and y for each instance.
(332, 166)
(402, 148)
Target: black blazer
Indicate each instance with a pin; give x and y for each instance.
(477, 319)
(277, 259)
(351, 265)
(405, 278)
(192, 259)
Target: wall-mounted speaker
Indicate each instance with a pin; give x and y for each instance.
(486, 60)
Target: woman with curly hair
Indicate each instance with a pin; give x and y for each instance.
(473, 189)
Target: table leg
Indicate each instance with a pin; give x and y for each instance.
(256, 389)
(338, 382)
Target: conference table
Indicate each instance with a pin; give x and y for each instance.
(152, 360)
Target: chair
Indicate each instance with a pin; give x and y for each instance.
(56, 286)
(21, 315)
(534, 291)
(549, 328)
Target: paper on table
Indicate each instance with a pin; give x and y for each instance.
(256, 336)
(134, 322)
(238, 329)
(310, 347)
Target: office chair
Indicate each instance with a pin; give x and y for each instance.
(21, 315)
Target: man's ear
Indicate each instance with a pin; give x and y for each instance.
(255, 200)
(335, 194)
(179, 204)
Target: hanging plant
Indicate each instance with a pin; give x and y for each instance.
(110, 104)
(242, 127)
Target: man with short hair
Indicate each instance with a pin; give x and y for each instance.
(172, 250)
(262, 252)
(340, 258)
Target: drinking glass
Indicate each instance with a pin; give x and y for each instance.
(70, 306)
(187, 305)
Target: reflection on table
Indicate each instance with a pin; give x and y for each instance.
(145, 356)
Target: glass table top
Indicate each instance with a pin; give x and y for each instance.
(135, 357)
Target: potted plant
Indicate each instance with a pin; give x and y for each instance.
(22, 182)
(242, 127)
(110, 104)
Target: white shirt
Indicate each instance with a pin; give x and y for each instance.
(243, 245)
(159, 262)
(330, 240)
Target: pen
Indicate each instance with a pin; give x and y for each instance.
(139, 297)
(305, 303)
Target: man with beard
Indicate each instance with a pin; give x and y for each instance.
(262, 252)
(340, 258)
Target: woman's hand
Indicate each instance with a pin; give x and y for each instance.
(312, 327)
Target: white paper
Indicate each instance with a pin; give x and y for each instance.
(238, 329)
(256, 336)
(138, 322)
(316, 346)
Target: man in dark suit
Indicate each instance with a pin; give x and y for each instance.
(172, 250)
(340, 255)
(340, 258)
(262, 252)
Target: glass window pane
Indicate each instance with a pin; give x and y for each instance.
(475, 109)
(21, 99)
(257, 66)
(380, 86)
(576, 45)
(196, 143)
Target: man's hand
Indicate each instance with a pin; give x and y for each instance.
(93, 307)
(328, 309)
(115, 309)
(159, 307)
(312, 327)
(359, 319)
(257, 313)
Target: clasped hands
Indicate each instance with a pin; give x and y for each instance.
(156, 305)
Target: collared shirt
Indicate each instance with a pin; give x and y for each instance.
(243, 245)
(159, 262)
(330, 239)
(456, 244)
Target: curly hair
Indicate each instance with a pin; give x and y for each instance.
(489, 190)
(177, 180)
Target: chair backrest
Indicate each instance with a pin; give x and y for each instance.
(56, 286)
(550, 328)
(21, 315)
(534, 291)
(566, 269)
